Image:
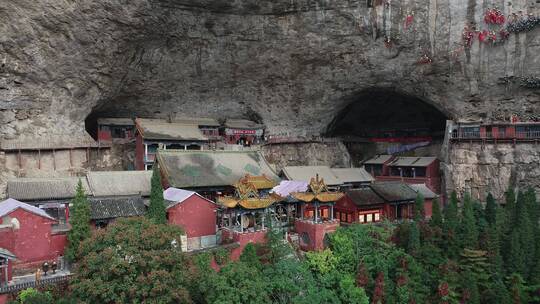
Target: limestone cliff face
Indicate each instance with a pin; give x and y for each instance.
(291, 64)
(480, 169)
(294, 64)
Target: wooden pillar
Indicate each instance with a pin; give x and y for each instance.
(316, 212)
(241, 223)
(39, 159)
(332, 212)
(88, 155)
(185, 147)
(262, 220)
(54, 159)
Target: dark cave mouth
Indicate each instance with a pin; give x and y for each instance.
(388, 114)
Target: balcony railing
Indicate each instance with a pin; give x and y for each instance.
(25, 285)
(490, 135)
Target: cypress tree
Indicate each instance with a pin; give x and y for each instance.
(436, 217)
(450, 225)
(419, 212)
(471, 293)
(526, 235)
(508, 225)
(156, 210)
(491, 209)
(80, 222)
(468, 228)
(510, 208)
(414, 239)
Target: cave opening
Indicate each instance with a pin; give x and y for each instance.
(386, 121)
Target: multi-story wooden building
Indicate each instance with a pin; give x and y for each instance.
(153, 134)
(410, 170)
(211, 173)
(118, 130)
(242, 132)
(495, 131)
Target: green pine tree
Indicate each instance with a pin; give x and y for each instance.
(526, 235)
(414, 239)
(491, 209)
(80, 223)
(419, 212)
(436, 217)
(450, 226)
(468, 229)
(471, 294)
(508, 225)
(156, 210)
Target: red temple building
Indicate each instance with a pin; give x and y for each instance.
(29, 234)
(242, 132)
(398, 199)
(155, 133)
(195, 214)
(208, 126)
(360, 206)
(118, 130)
(410, 170)
(382, 200)
(513, 131)
(316, 214)
(244, 215)
(211, 173)
(378, 165)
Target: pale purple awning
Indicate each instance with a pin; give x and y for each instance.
(285, 188)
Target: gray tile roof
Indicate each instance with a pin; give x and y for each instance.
(119, 183)
(189, 169)
(352, 175)
(158, 129)
(424, 190)
(394, 191)
(412, 161)
(29, 189)
(10, 205)
(364, 197)
(48, 143)
(109, 208)
(305, 173)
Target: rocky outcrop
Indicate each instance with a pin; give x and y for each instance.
(480, 169)
(331, 153)
(292, 64)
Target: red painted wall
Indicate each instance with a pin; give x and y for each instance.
(257, 237)
(196, 215)
(4, 298)
(104, 134)
(428, 207)
(139, 152)
(316, 232)
(33, 242)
